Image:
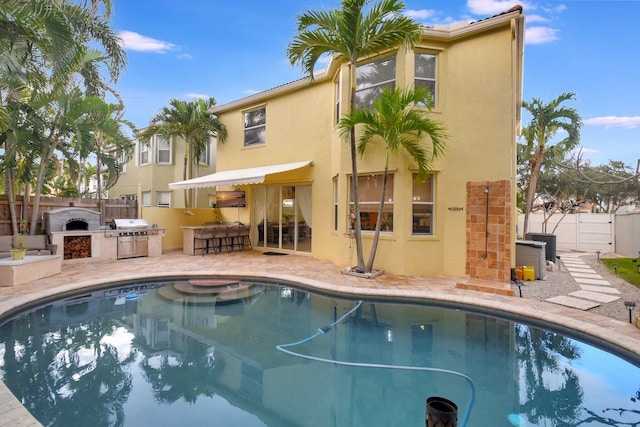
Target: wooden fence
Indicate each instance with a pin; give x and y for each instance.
(109, 209)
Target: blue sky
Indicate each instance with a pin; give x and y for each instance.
(228, 50)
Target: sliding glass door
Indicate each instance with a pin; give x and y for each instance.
(283, 216)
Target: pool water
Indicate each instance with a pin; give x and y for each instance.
(257, 354)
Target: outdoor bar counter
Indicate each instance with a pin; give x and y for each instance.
(189, 232)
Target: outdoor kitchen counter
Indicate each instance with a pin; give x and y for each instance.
(104, 244)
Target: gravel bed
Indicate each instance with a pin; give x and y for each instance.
(560, 282)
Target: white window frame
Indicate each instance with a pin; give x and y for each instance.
(122, 163)
(205, 155)
(417, 202)
(160, 146)
(144, 148)
(145, 198)
(336, 84)
(259, 130)
(160, 199)
(430, 82)
(377, 85)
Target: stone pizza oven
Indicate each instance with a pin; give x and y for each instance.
(70, 219)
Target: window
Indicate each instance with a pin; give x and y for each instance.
(425, 72)
(255, 127)
(122, 163)
(372, 78)
(143, 153)
(336, 83)
(163, 150)
(146, 198)
(370, 191)
(203, 159)
(422, 205)
(163, 199)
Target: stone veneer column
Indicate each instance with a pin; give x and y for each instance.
(489, 254)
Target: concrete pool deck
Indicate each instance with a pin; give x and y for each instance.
(323, 275)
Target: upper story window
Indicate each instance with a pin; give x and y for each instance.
(422, 202)
(163, 150)
(336, 84)
(122, 163)
(370, 190)
(255, 127)
(425, 72)
(204, 158)
(372, 78)
(143, 153)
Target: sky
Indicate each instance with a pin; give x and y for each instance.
(231, 49)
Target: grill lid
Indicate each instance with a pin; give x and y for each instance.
(130, 223)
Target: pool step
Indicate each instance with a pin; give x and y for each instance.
(487, 286)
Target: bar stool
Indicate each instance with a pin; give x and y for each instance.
(244, 235)
(204, 236)
(219, 238)
(233, 233)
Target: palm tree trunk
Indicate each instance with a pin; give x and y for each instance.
(533, 184)
(354, 176)
(46, 157)
(184, 173)
(376, 233)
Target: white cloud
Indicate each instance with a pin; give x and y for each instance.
(420, 14)
(134, 41)
(539, 35)
(630, 122)
(536, 18)
(492, 7)
(185, 56)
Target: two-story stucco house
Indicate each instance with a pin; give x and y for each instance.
(156, 163)
(284, 151)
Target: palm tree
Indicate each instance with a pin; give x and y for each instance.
(350, 33)
(547, 119)
(400, 120)
(191, 120)
(45, 45)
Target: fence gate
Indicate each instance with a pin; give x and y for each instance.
(576, 232)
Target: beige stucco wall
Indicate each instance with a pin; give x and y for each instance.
(157, 177)
(478, 92)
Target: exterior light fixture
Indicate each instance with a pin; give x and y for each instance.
(615, 267)
(598, 254)
(630, 305)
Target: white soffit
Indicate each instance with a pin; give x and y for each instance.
(237, 176)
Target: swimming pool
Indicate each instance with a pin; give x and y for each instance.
(203, 352)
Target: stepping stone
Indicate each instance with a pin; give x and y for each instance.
(581, 270)
(594, 296)
(591, 281)
(586, 275)
(578, 303)
(603, 289)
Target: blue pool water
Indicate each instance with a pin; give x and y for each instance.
(207, 352)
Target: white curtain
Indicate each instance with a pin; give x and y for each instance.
(259, 209)
(303, 194)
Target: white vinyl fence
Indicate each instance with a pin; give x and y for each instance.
(617, 233)
(576, 232)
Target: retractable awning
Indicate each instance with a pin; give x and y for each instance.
(237, 176)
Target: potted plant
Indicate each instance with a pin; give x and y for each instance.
(19, 251)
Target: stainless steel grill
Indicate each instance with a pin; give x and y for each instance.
(133, 237)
